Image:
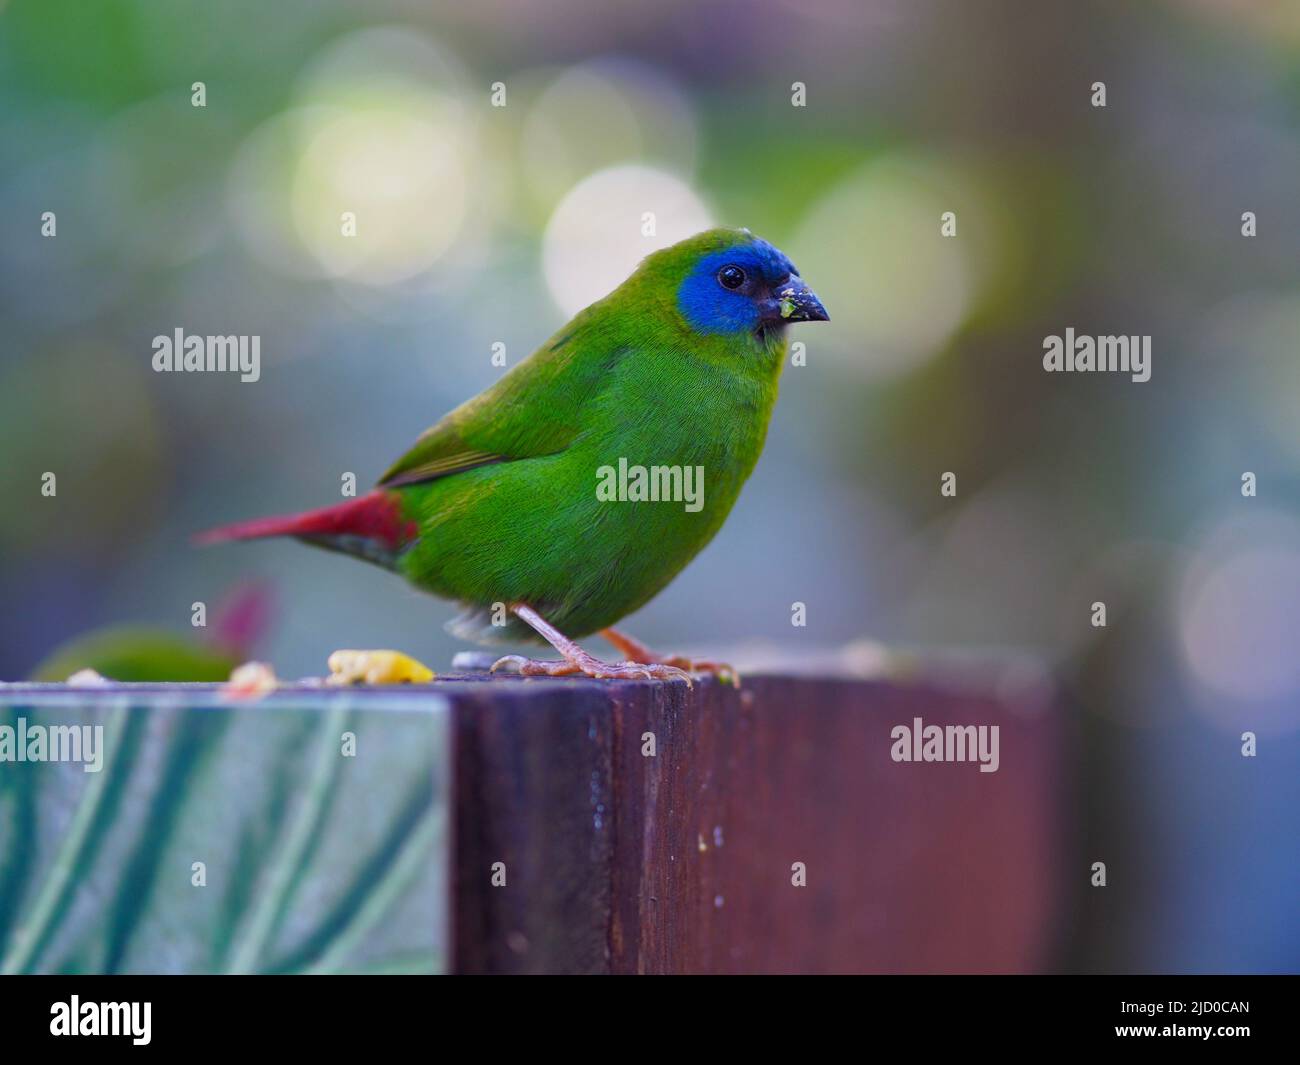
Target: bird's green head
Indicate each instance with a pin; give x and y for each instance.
(730, 281)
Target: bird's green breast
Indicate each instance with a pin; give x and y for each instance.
(575, 534)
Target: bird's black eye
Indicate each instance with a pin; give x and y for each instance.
(731, 277)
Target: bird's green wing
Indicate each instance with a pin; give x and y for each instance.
(535, 409)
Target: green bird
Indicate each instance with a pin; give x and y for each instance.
(568, 494)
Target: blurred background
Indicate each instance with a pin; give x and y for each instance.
(481, 225)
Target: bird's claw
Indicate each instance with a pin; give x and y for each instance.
(532, 667)
(725, 673)
(639, 653)
(648, 671)
(591, 667)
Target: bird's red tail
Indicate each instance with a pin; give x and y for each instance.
(374, 520)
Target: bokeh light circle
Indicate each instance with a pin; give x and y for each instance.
(597, 234)
(1238, 615)
(602, 113)
(401, 177)
(366, 177)
(873, 250)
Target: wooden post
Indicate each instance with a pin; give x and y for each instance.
(685, 861)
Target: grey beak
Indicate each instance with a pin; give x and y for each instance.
(795, 302)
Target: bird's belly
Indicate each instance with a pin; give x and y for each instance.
(585, 537)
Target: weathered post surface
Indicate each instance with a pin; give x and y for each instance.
(685, 860)
(505, 825)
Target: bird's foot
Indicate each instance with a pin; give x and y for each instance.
(533, 667)
(638, 652)
(728, 674)
(581, 663)
(376, 667)
(576, 660)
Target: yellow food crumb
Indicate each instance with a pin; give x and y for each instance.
(377, 667)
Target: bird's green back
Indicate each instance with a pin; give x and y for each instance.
(539, 406)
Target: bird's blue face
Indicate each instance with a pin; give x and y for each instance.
(745, 288)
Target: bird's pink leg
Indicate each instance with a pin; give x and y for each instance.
(636, 651)
(576, 660)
